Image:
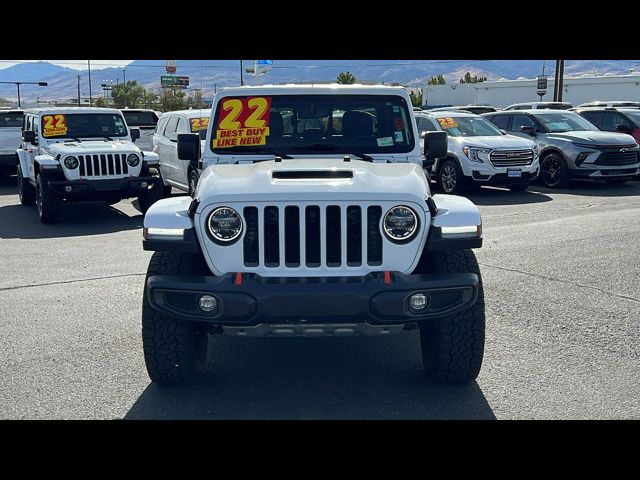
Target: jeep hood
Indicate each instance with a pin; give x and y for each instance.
(597, 137)
(494, 141)
(312, 180)
(91, 146)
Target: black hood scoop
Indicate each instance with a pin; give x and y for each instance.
(311, 174)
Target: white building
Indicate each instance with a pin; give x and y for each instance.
(501, 93)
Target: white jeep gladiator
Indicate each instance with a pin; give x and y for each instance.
(312, 217)
(76, 154)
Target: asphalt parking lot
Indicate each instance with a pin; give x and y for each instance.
(562, 282)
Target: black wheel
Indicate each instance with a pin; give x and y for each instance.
(518, 188)
(26, 192)
(151, 196)
(553, 172)
(48, 204)
(175, 351)
(194, 176)
(616, 181)
(450, 178)
(453, 346)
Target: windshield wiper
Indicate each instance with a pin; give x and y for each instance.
(318, 147)
(362, 156)
(270, 151)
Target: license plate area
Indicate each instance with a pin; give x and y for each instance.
(514, 173)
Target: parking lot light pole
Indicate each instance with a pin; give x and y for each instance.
(17, 84)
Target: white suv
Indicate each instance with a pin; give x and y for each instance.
(144, 120)
(175, 172)
(479, 153)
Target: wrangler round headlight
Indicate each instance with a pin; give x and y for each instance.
(133, 160)
(224, 224)
(71, 163)
(400, 223)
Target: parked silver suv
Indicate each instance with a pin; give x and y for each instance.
(572, 147)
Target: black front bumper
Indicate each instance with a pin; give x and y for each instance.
(9, 163)
(314, 300)
(98, 189)
(604, 173)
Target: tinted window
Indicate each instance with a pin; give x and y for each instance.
(564, 122)
(11, 119)
(501, 121)
(468, 126)
(593, 117)
(521, 121)
(479, 110)
(83, 125)
(611, 119)
(426, 125)
(140, 119)
(171, 126)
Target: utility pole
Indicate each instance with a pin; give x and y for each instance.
(124, 75)
(558, 86)
(561, 83)
(78, 90)
(90, 97)
(241, 79)
(18, 84)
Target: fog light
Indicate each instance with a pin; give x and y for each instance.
(208, 303)
(418, 301)
(143, 184)
(68, 188)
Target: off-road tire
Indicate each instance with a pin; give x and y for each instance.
(158, 192)
(555, 160)
(193, 176)
(26, 192)
(453, 346)
(47, 203)
(175, 351)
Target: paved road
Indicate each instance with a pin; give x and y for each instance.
(562, 277)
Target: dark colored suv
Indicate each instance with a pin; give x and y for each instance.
(625, 120)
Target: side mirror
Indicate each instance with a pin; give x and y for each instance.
(623, 128)
(29, 136)
(173, 137)
(135, 134)
(528, 130)
(435, 145)
(504, 132)
(189, 146)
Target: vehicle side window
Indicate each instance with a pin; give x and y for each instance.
(611, 119)
(501, 121)
(183, 126)
(521, 121)
(171, 126)
(161, 124)
(593, 117)
(425, 125)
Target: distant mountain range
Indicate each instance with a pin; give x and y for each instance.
(212, 74)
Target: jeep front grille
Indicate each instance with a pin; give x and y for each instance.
(511, 158)
(103, 165)
(312, 236)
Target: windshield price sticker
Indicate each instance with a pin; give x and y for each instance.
(447, 122)
(198, 124)
(54, 125)
(243, 122)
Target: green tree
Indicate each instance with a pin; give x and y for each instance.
(468, 78)
(346, 78)
(172, 99)
(100, 102)
(437, 80)
(416, 98)
(127, 94)
(150, 100)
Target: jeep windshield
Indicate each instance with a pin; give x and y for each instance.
(140, 119)
(83, 125)
(564, 122)
(468, 127)
(312, 124)
(10, 119)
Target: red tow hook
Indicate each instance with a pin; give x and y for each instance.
(238, 279)
(387, 278)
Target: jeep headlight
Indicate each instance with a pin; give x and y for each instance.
(476, 154)
(400, 223)
(224, 225)
(133, 160)
(71, 163)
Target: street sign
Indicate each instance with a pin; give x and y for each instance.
(174, 81)
(265, 62)
(542, 83)
(541, 92)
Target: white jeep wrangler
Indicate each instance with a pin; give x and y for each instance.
(312, 217)
(75, 154)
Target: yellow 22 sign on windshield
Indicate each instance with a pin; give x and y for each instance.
(198, 124)
(243, 122)
(54, 125)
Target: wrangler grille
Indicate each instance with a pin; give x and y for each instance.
(312, 236)
(102, 165)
